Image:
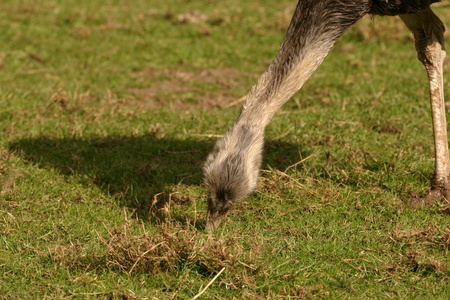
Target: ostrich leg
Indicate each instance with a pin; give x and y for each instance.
(231, 170)
(428, 33)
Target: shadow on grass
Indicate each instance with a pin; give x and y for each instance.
(135, 169)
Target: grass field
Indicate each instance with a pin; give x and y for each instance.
(109, 108)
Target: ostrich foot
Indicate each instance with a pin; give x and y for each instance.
(436, 195)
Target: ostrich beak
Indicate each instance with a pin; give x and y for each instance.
(213, 220)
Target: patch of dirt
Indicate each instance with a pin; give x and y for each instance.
(431, 198)
(182, 90)
(194, 17)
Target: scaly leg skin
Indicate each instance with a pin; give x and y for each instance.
(428, 33)
(231, 170)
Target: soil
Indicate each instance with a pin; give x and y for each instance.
(432, 197)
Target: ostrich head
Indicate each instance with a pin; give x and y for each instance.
(231, 173)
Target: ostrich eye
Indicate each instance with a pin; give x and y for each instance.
(222, 195)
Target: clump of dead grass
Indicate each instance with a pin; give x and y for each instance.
(429, 236)
(174, 247)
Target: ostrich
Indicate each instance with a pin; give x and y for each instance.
(231, 169)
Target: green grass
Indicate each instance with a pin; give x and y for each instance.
(108, 110)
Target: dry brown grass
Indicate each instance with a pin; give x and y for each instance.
(176, 247)
(430, 236)
(417, 255)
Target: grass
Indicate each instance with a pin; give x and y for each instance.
(107, 112)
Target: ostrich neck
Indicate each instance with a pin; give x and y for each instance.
(275, 88)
